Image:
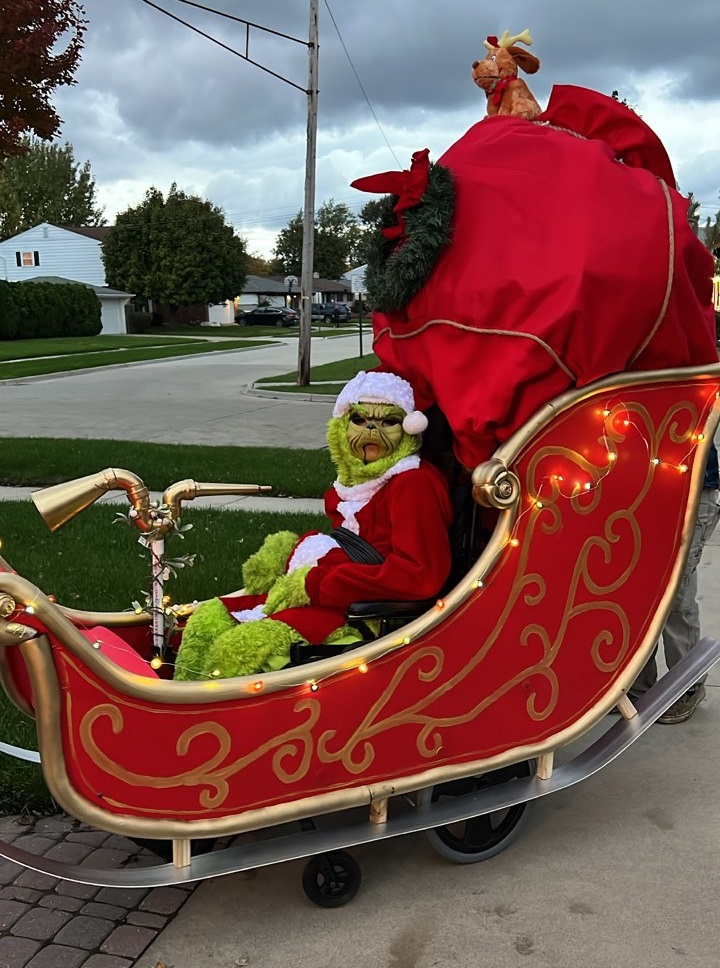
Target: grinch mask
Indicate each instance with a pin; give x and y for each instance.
(368, 440)
(374, 431)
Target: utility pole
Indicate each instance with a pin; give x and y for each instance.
(308, 249)
(306, 273)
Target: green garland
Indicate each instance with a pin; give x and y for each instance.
(395, 273)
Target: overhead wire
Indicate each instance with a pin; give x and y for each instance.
(219, 43)
(360, 83)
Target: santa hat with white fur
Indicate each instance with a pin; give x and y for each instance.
(378, 387)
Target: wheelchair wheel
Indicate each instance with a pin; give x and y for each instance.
(479, 838)
(331, 880)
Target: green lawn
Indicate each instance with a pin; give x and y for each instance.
(22, 349)
(328, 378)
(318, 329)
(95, 564)
(38, 461)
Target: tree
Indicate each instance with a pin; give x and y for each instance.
(336, 235)
(177, 250)
(46, 185)
(693, 213)
(256, 265)
(40, 46)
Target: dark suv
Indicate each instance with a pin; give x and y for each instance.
(331, 311)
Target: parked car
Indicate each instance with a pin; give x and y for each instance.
(331, 311)
(268, 316)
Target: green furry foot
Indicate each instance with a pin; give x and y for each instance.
(204, 626)
(345, 635)
(249, 648)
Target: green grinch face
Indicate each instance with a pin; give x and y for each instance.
(374, 430)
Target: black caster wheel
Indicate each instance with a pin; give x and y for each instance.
(479, 838)
(331, 880)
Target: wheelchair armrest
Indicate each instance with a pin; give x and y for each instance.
(362, 611)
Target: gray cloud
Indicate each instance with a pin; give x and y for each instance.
(154, 98)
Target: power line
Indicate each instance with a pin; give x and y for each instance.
(360, 83)
(241, 20)
(219, 43)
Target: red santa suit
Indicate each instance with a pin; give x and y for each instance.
(571, 259)
(405, 515)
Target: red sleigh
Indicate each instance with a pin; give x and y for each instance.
(449, 725)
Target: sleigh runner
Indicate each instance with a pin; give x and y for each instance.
(596, 498)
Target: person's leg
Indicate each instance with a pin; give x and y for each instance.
(682, 628)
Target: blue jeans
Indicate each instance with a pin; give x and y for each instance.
(681, 631)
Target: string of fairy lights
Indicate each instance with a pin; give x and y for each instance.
(617, 419)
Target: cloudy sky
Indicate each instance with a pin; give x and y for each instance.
(155, 102)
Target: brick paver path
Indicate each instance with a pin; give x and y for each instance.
(48, 923)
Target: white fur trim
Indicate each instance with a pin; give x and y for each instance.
(377, 387)
(354, 497)
(249, 614)
(311, 550)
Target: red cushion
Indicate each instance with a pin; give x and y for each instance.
(119, 652)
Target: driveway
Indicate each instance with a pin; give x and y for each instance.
(189, 400)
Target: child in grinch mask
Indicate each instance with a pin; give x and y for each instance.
(298, 589)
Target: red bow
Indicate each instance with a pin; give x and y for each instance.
(500, 88)
(409, 186)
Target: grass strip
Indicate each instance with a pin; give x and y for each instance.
(328, 378)
(40, 461)
(22, 349)
(83, 361)
(94, 564)
(237, 332)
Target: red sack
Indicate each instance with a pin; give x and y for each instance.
(571, 259)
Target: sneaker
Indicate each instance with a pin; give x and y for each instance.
(684, 707)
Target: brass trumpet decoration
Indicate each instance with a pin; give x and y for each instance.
(61, 502)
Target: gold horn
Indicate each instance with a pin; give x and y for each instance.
(188, 490)
(61, 502)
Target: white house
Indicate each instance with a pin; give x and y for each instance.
(49, 253)
(49, 250)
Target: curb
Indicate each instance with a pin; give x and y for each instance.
(252, 391)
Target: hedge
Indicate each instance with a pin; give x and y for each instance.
(43, 309)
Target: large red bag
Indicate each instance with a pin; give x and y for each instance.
(570, 259)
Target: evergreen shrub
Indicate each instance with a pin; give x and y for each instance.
(40, 310)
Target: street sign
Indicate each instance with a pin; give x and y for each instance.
(357, 282)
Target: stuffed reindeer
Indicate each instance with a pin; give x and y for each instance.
(497, 75)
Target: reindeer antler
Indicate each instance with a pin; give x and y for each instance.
(507, 40)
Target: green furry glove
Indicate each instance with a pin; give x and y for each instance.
(288, 592)
(262, 569)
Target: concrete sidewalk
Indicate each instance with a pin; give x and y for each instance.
(229, 502)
